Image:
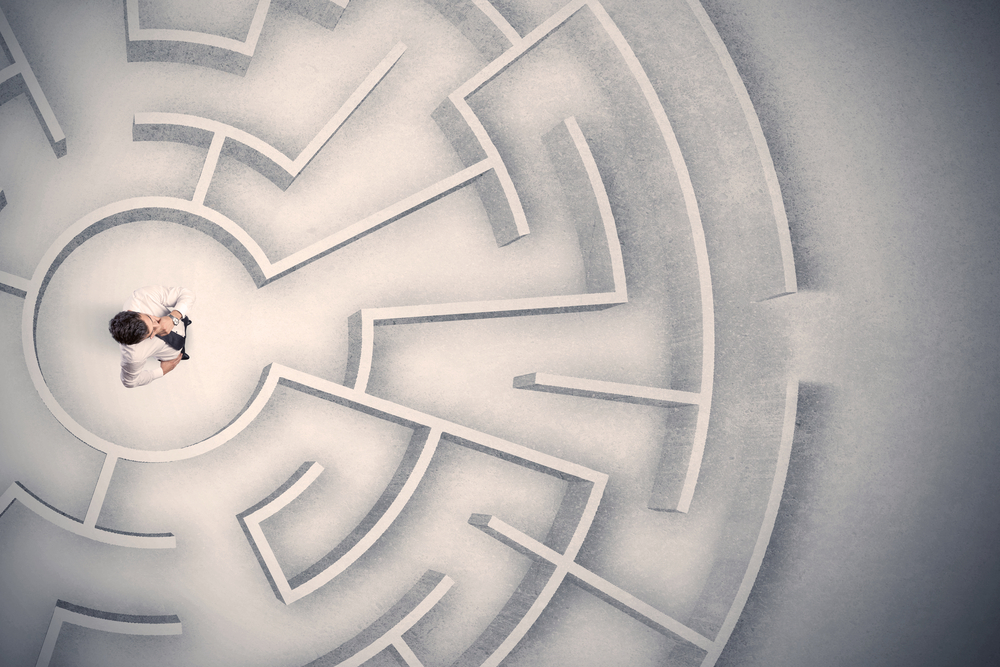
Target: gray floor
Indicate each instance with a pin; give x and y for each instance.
(882, 121)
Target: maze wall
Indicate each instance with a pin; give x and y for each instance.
(478, 373)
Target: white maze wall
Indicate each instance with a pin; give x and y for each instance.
(479, 370)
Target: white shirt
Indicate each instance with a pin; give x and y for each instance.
(157, 301)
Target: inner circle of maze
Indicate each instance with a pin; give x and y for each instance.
(143, 250)
(479, 372)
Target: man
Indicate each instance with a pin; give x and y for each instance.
(153, 323)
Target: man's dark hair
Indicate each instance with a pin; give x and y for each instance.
(127, 327)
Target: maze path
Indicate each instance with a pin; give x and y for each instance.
(777, 472)
(666, 492)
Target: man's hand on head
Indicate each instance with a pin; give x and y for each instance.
(167, 366)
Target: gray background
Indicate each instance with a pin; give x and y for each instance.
(882, 120)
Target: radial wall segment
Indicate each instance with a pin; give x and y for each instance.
(12, 284)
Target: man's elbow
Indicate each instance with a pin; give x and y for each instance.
(129, 382)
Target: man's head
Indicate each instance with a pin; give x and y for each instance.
(129, 327)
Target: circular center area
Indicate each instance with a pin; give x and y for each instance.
(81, 362)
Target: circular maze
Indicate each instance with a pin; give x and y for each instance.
(481, 366)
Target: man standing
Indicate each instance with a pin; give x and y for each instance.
(153, 323)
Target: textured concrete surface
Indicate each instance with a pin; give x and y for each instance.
(882, 119)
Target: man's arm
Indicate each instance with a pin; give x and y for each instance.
(136, 375)
(178, 299)
(181, 299)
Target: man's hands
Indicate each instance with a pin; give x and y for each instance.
(166, 325)
(157, 326)
(169, 365)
